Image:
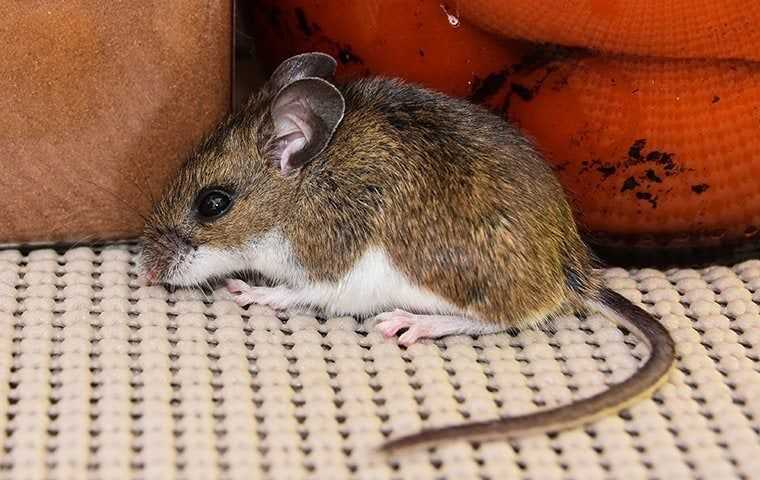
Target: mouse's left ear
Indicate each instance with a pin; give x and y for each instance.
(305, 115)
(305, 65)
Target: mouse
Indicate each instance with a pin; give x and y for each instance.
(376, 198)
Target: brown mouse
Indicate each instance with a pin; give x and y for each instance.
(380, 198)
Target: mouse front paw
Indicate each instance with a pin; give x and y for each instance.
(278, 298)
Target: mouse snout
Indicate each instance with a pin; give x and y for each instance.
(164, 253)
(151, 276)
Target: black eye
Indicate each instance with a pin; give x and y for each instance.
(213, 203)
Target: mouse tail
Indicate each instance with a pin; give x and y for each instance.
(639, 386)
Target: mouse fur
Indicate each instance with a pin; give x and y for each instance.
(459, 201)
(381, 198)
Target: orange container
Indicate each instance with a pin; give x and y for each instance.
(655, 133)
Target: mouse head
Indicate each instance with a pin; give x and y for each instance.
(241, 181)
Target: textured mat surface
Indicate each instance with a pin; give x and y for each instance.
(101, 377)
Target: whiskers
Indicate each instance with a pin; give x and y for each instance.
(116, 197)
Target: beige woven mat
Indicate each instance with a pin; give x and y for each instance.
(103, 378)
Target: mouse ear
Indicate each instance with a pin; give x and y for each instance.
(313, 64)
(305, 115)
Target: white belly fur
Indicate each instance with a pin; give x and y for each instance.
(374, 285)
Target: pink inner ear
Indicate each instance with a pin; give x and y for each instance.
(293, 133)
(288, 145)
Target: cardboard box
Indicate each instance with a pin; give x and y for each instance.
(101, 102)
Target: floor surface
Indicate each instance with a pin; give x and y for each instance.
(101, 377)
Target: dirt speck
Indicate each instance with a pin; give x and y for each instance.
(629, 184)
(606, 170)
(303, 23)
(700, 188)
(648, 197)
(522, 91)
(483, 89)
(634, 151)
(346, 56)
(652, 176)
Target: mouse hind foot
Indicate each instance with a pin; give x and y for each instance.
(430, 326)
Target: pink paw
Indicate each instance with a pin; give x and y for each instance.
(391, 322)
(237, 286)
(244, 294)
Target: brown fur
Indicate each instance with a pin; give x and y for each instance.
(461, 202)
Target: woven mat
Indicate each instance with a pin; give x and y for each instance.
(101, 377)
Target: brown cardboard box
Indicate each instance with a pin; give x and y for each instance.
(100, 102)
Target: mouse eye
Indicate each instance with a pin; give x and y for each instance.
(212, 203)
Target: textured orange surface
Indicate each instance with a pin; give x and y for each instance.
(651, 146)
(667, 28)
(653, 124)
(388, 37)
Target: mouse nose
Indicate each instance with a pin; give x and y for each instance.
(151, 275)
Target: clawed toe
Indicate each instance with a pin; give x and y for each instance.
(277, 298)
(236, 286)
(413, 334)
(390, 328)
(243, 300)
(391, 322)
(426, 326)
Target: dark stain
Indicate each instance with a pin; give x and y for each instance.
(522, 91)
(634, 152)
(659, 166)
(654, 156)
(606, 170)
(540, 57)
(700, 188)
(666, 160)
(648, 197)
(545, 54)
(346, 56)
(716, 99)
(560, 167)
(486, 88)
(303, 23)
(662, 159)
(629, 184)
(421, 52)
(652, 176)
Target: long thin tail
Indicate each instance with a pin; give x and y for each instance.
(618, 397)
